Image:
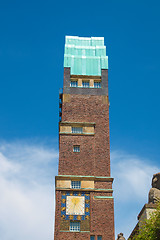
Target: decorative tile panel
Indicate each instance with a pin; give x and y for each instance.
(66, 213)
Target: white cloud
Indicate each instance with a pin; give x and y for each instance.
(132, 182)
(27, 191)
(27, 172)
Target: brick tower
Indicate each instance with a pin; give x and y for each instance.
(84, 202)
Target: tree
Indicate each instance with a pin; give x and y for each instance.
(150, 228)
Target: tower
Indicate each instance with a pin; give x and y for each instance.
(84, 201)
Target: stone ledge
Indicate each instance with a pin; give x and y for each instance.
(75, 231)
(86, 189)
(148, 205)
(79, 177)
(78, 123)
(103, 197)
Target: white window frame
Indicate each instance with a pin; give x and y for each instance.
(74, 83)
(77, 129)
(98, 84)
(75, 226)
(76, 148)
(76, 184)
(85, 84)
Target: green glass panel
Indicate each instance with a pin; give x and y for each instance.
(85, 56)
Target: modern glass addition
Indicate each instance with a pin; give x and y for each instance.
(97, 84)
(85, 84)
(77, 130)
(76, 148)
(76, 184)
(74, 84)
(74, 226)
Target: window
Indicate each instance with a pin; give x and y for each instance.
(77, 130)
(74, 84)
(76, 184)
(99, 238)
(85, 84)
(97, 84)
(92, 237)
(76, 148)
(75, 226)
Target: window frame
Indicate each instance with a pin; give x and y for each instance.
(92, 237)
(78, 128)
(99, 237)
(77, 228)
(84, 82)
(74, 81)
(76, 148)
(97, 82)
(76, 184)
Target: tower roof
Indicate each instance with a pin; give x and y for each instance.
(85, 55)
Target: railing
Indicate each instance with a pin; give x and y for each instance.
(60, 103)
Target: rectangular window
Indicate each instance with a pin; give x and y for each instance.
(76, 148)
(74, 84)
(92, 237)
(97, 84)
(77, 130)
(85, 84)
(99, 238)
(75, 226)
(76, 184)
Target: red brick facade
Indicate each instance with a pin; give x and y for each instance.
(101, 223)
(91, 165)
(95, 151)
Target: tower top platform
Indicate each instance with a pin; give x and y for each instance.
(85, 55)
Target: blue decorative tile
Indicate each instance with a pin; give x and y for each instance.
(87, 205)
(66, 217)
(63, 205)
(75, 217)
(63, 196)
(83, 217)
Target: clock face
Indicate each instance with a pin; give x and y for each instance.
(75, 205)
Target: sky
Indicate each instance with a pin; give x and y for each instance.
(31, 72)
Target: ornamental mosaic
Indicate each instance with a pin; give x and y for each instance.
(75, 205)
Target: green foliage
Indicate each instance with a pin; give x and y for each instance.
(150, 228)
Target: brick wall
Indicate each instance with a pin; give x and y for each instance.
(102, 216)
(101, 219)
(94, 156)
(87, 106)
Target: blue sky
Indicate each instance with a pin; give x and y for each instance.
(31, 73)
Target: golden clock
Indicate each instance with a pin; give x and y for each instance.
(75, 205)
